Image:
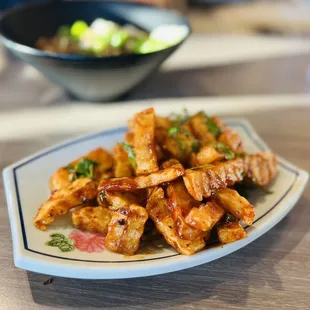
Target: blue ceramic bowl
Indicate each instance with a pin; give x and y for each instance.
(87, 78)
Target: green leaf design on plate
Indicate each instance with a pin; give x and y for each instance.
(60, 241)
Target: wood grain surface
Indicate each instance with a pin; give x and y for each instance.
(270, 273)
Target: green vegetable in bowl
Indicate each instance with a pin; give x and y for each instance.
(107, 38)
(78, 28)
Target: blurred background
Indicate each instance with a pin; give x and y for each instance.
(287, 17)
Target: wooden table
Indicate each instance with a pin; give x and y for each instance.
(270, 273)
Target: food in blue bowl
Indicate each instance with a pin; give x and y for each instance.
(97, 51)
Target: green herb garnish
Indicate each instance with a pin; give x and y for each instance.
(180, 119)
(213, 128)
(130, 152)
(174, 130)
(228, 153)
(195, 146)
(61, 242)
(201, 167)
(211, 124)
(84, 168)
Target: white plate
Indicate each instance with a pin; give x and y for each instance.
(26, 186)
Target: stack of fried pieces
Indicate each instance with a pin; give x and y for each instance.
(175, 174)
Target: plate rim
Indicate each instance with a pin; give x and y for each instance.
(24, 260)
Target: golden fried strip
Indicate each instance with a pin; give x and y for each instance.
(131, 184)
(125, 229)
(232, 139)
(64, 200)
(205, 217)
(206, 155)
(144, 142)
(200, 128)
(180, 202)
(235, 204)
(129, 137)
(203, 183)
(93, 219)
(122, 167)
(180, 145)
(60, 179)
(104, 160)
(218, 123)
(168, 163)
(261, 168)
(230, 232)
(119, 200)
(157, 208)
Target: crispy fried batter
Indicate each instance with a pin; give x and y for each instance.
(180, 144)
(200, 128)
(104, 160)
(63, 200)
(206, 155)
(144, 142)
(230, 232)
(129, 137)
(203, 183)
(93, 219)
(151, 180)
(205, 217)
(168, 163)
(157, 208)
(180, 203)
(261, 168)
(122, 167)
(119, 200)
(235, 204)
(231, 138)
(125, 229)
(60, 179)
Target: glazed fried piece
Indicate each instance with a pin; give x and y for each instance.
(206, 155)
(65, 199)
(103, 162)
(200, 128)
(162, 124)
(93, 219)
(205, 217)
(129, 137)
(60, 179)
(180, 203)
(202, 183)
(180, 142)
(261, 168)
(157, 208)
(230, 232)
(125, 229)
(231, 138)
(218, 123)
(144, 142)
(168, 163)
(235, 204)
(131, 184)
(122, 167)
(117, 200)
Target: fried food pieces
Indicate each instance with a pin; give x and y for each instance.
(65, 199)
(176, 174)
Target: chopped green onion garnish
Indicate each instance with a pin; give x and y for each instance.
(78, 28)
(228, 153)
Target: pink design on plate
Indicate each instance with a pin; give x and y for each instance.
(87, 241)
